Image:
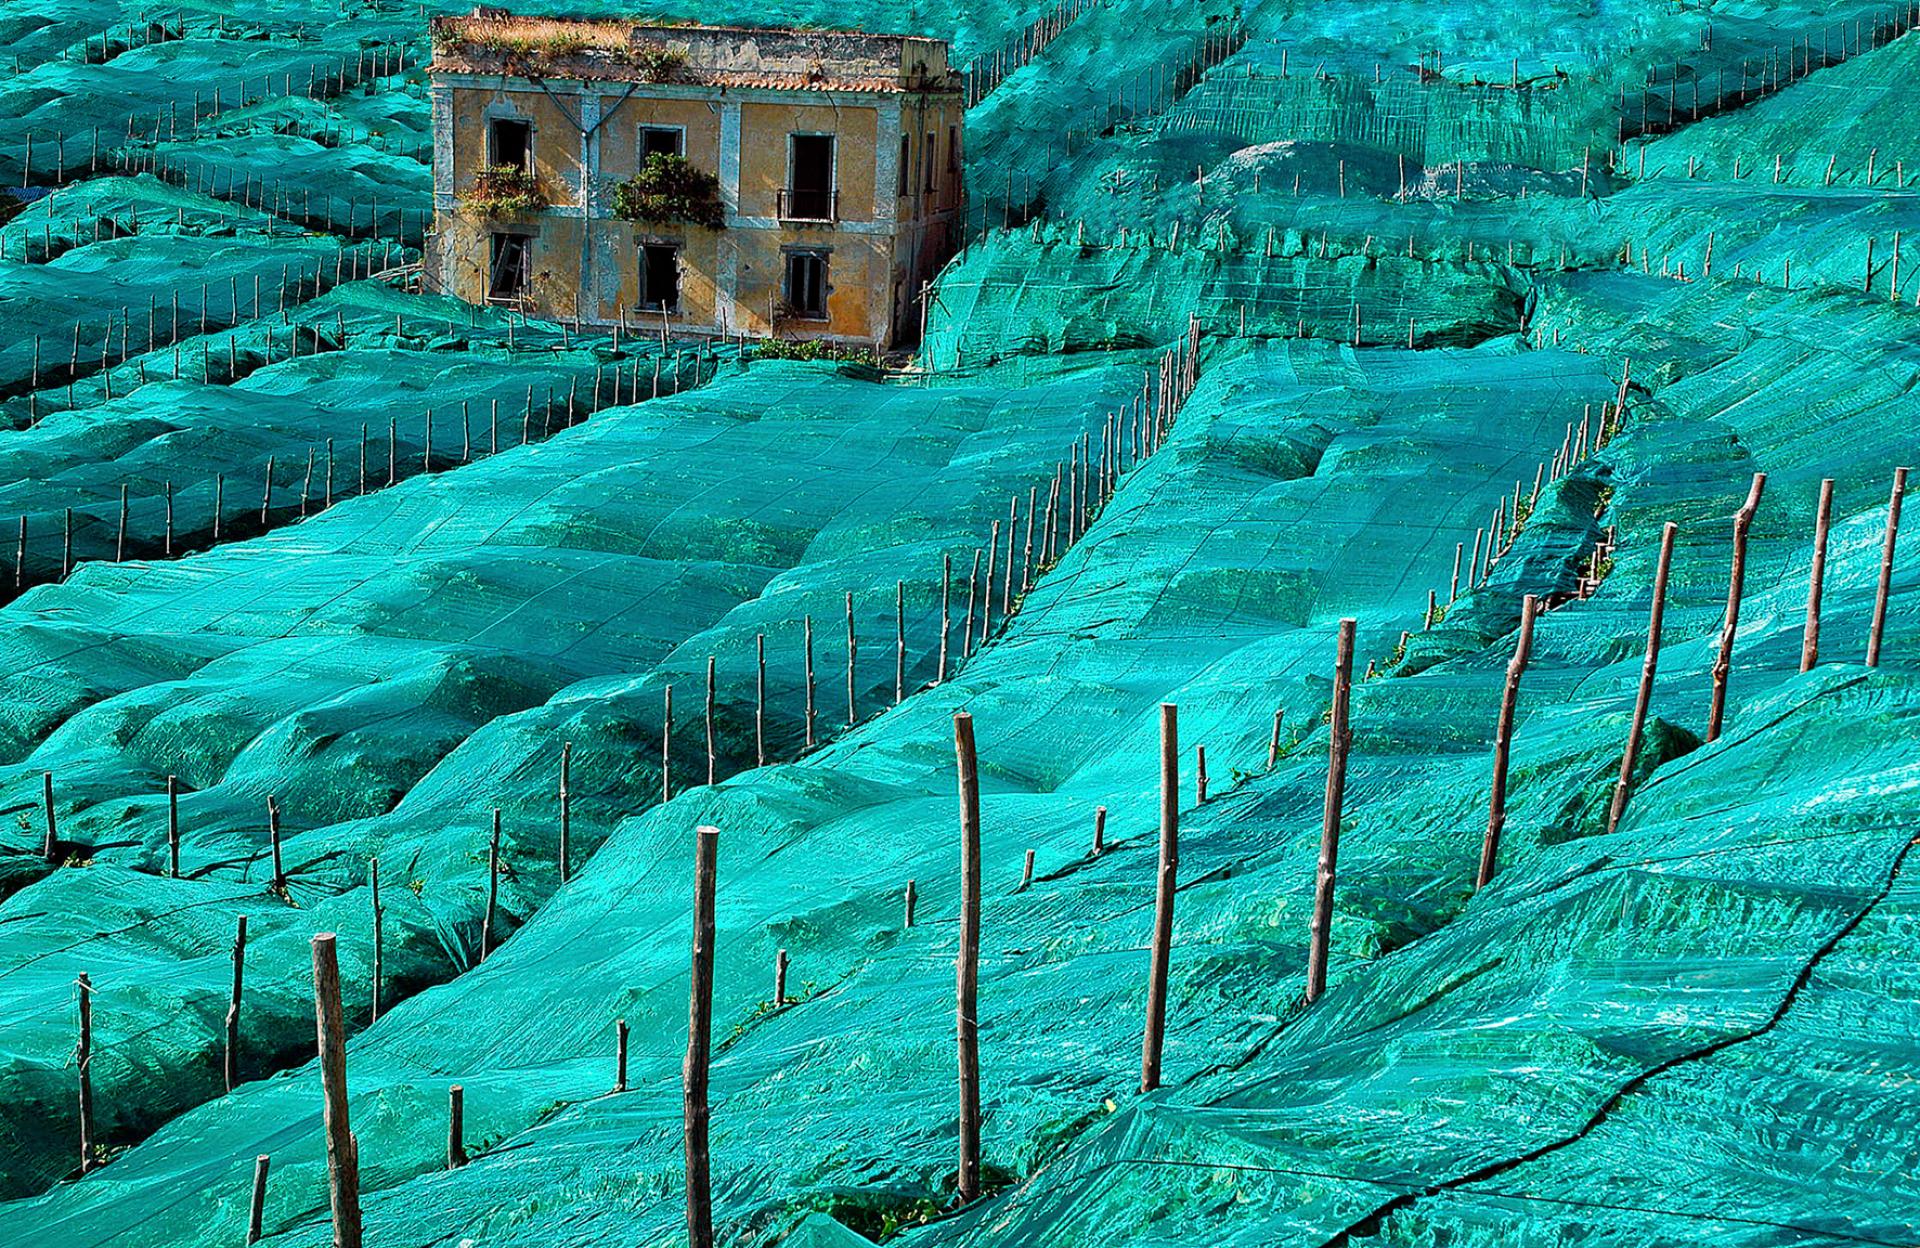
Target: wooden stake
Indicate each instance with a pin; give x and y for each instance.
(1200, 776)
(808, 627)
(456, 1121)
(50, 849)
(232, 1059)
(699, 1044)
(780, 979)
(1810, 639)
(946, 613)
(1099, 830)
(173, 827)
(257, 1208)
(566, 810)
(1341, 741)
(1648, 669)
(1163, 897)
(620, 1055)
(83, 1059)
(1736, 578)
(712, 754)
(666, 745)
(899, 642)
(379, 918)
(852, 716)
(493, 887)
(1886, 568)
(1503, 742)
(968, 964)
(1026, 874)
(273, 840)
(912, 896)
(343, 1159)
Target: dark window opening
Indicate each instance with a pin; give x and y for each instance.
(511, 141)
(810, 197)
(660, 140)
(926, 158)
(660, 277)
(511, 272)
(953, 149)
(906, 165)
(807, 284)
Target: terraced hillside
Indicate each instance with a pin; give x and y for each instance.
(341, 607)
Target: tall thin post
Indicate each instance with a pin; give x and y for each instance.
(666, 745)
(1886, 568)
(699, 1044)
(343, 1153)
(852, 716)
(173, 827)
(83, 1059)
(493, 887)
(912, 896)
(257, 1207)
(807, 626)
(968, 963)
(946, 613)
(1163, 896)
(379, 934)
(1736, 578)
(231, 1063)
(456, 1127)
(1810, 638)
(566, 811)
(713, 761)
(50, 849)
(1341, 742)
(1648, 669)
(620, 1055)
(1503, 742)
(273, 841)
(899, 642)
(760, 699)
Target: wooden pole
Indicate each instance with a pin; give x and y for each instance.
(566, 810)
(257, 1208)
(1810, 638)
(456, 1122)
(852, 716)
(780, 979)
(699, 1044)
(273, 840)
(493, 887)
(1273, 743)
(50, 850)
(1200, 775)
(1886, 568)
(713, 760)
(343, 1160)
(946, 613)
(912, 895)
(379, 920)
(1163, 897)
(807, 625)
(173, 827)
(83, 1059)
(1736, 578)
(1648, 669)
(1503, 742)
(666, 745)
(760, 699)
(620, 1055)
(1341, 742)
(899, 642)
(1099, 830)
(968, 964)
(232, 1057)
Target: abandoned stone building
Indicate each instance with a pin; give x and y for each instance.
(722, 181)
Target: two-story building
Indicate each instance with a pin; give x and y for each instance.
(718, 181)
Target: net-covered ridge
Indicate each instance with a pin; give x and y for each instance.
(392, 670)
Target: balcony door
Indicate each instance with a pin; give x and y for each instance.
(809, 194)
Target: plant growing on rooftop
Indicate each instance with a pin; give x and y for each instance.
(670, 188)
(658, 64)
(504, 191)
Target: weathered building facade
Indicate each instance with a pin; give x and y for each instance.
(832, 161)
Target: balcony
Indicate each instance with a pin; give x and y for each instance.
(808, 206)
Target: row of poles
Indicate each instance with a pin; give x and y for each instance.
(989, 70)
(1079, 489)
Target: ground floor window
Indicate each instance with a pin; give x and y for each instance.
(806, 284)
(660, 277)
(510, 272)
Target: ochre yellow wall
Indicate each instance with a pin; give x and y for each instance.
(620, 133)
(763, 153)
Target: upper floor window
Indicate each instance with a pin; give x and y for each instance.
(662, 140)
(510, 142)
(809, 194)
